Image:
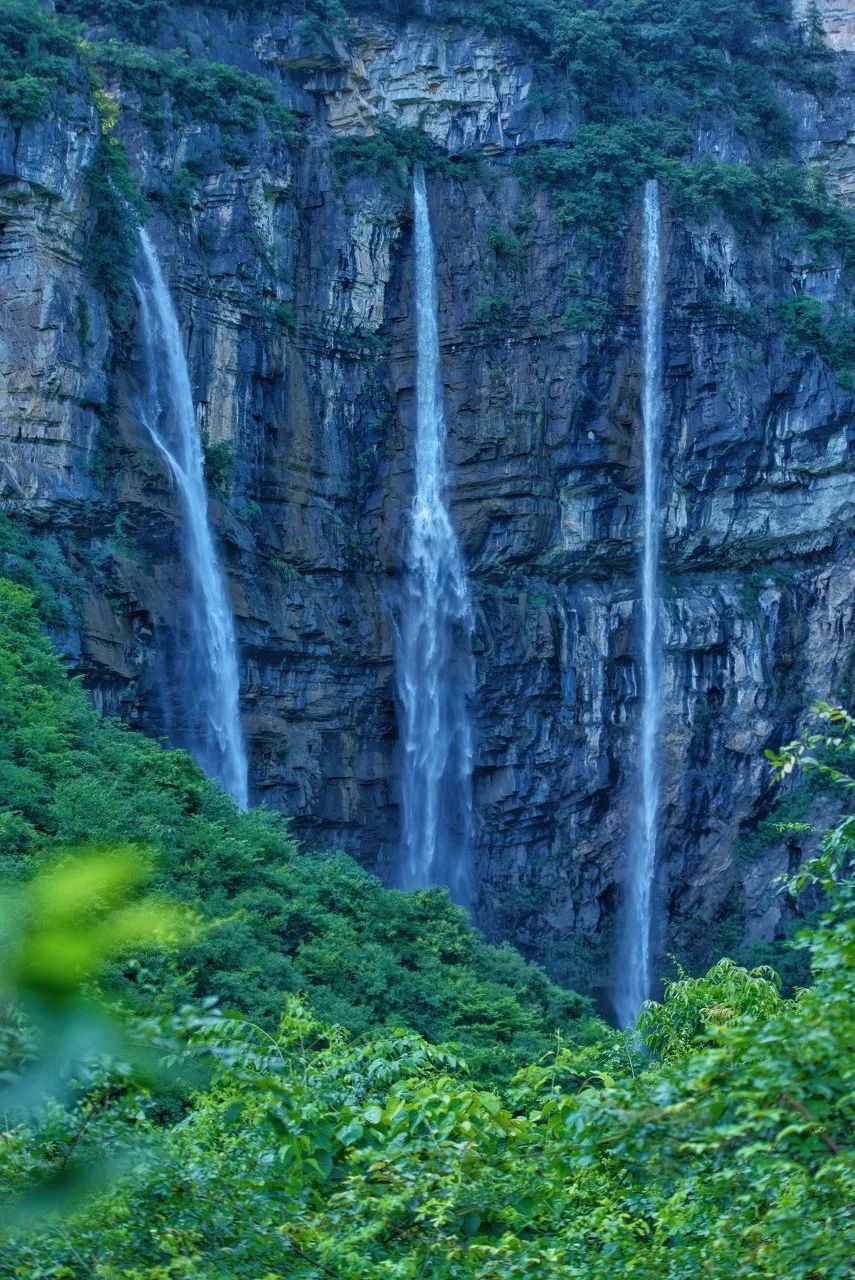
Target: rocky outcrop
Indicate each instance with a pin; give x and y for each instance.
(294, 284)
(837, 19)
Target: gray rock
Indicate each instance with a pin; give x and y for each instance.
(544, 447)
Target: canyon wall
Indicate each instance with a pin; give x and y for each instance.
(837, 18)
(293, 277)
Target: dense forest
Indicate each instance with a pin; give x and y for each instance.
(385, 1094)
(230, 1047)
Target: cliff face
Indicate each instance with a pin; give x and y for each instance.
(837, 18)
(294, 284)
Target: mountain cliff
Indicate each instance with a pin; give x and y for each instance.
(271, 157)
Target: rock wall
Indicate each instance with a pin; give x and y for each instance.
(837, 18)
(294, 284)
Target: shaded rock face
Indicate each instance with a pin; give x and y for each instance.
(295, 289)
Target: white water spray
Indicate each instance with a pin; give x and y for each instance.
(209, 687)
(434, 662)
(635, 978)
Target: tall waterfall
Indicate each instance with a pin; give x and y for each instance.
(635, 979)
(207, 687)
(434, 663)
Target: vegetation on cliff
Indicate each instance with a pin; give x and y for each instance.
(698, 95)
(389, 1096)
(286, 921)
(718, 1142)
(222, 1056)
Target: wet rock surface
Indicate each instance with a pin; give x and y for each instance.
(294, 286)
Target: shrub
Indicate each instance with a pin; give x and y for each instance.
(176, 195)
(214, 92)
(828, 333)
(38, 59)
(112, 241)
(34, 559)
(492, 308)
(137, 19)
(286, 921)
(220, 467)
(589, 315)
(504, 243)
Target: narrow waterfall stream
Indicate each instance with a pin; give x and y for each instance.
(635, 976)
(434, 663)
(206, 690)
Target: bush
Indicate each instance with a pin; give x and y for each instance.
(136, 19)
(719, 1143)
(493, 308)
(38, 60)
(35, 560)
(286, 921)
(504, 243)
(595, 181)
(827, 333)
(177, 193)
(213, 92)
(113, 237)
(220, 467)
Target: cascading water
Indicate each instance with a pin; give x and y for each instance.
(635, 977)
(434, 658)
(207, 688)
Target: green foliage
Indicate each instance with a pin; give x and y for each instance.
(493, 308)
(174, 89)
(646, 77)
(686, 59)
(72, 1066)
(288, 574)
(177, 193)
(286, 921)
(756, 197)
(588, 315)
(38, 60)
(220, 467)
(828, 752)
(113, 238)
(696, 1009)
(721, 1145)
(142, 20)
(136, 19)
(717, 1141)
(595, 181)
(806, 328)
(40, 55)
(504, 243)
(34, 559)
(790, 814)
(746, 320)
(388, 156)
(75, 914)
(279, 315)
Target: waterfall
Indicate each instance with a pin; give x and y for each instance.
(434, 662)
(207, 687)
(635, 979)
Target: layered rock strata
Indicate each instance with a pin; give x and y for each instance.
(294, 283)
